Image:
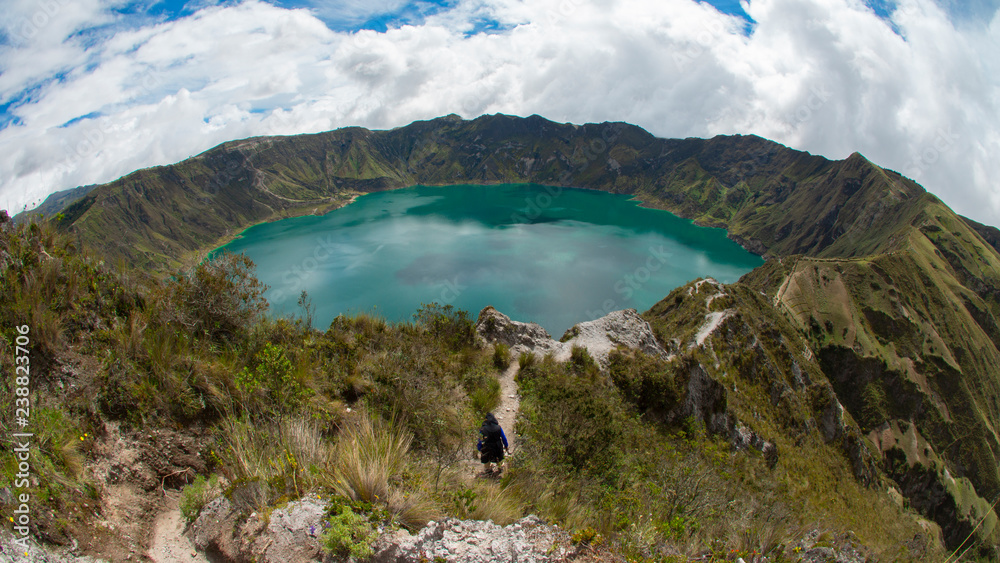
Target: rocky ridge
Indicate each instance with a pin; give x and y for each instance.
(599, 337)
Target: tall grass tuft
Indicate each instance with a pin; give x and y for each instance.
(494, 502)
(412, 509)
(486, 397)
(286, 458)
(501, 356)
(370, 454)
(526, 360)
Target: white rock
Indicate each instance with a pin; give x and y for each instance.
(619, 328)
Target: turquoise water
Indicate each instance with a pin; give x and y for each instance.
(555, 256)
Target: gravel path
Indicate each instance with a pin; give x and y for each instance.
(169, 544)
(506, 413)
(510, 403)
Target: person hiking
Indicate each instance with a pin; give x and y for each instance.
(493, 443)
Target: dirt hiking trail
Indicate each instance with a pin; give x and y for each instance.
(170, 544)
(510, 403)
(506, 413)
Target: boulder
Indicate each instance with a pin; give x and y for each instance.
(529, 540)
(599, 337)
(290, 535)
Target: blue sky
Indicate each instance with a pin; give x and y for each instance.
(413, 12)
(93, 89)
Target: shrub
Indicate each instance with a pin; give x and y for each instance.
(482, 387)
(581, 359)
(587, 536)
(501, 356)
(486, 397)
(448, 324)
(195, 495)
(646, 381)
(526, 360)
(219, 299)
(349, 534)
(272, 377)
(574, 417)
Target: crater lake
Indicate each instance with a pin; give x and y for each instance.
(550, 255)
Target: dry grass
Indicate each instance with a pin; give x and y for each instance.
(413, 509)
(371, 453)
(497, 503)
(290, 456)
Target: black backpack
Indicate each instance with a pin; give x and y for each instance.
(492, 435)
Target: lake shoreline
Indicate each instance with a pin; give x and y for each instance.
(547, 254)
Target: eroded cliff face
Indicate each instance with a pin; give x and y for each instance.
(908, 342)
(748, 365)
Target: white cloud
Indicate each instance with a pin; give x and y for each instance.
(826, 76)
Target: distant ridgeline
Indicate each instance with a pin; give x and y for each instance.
(892, 295)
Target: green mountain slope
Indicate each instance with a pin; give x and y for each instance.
(895, 298)
(774, 199)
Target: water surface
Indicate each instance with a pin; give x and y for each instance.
(555, 256)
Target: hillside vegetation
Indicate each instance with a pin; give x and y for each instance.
(775, 200)
(382, 416)
(862, 358)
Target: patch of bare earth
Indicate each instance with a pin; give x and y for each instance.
(169, 543)
(140, 474)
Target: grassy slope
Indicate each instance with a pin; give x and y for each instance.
(932, 323)
(767, 382)
(159, 216)
(114, 362)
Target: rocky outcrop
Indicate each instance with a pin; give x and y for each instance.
(494, 326)
(529, 540)
(290, 535)
(618, 328)
(600, 337)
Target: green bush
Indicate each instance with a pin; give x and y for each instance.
(273, 378)
(574, 416)
(482, 387)
(349, 534)
(501, 356)
(587, 536)
(486, 397)
(220, 299)
(526, 360)
(448, 324)
(195, 495)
